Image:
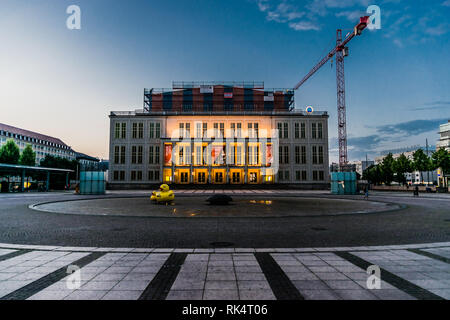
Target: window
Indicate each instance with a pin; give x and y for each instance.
(219, 129)
(119, 154)
(314, 155)
(253, 152)
(320, 154)
(317, 154)
(136, 175)
(136, 154)
(304, 175)
(157, 175)
(133, 155)
(157, 155)
(198, 130)
(286, 175)
(297, 154)
(205, 130)
(151, 130)
(253, 130)
(116, 175)
(150, 175)
(122, 154)
(297, 175)
(140, 130)
(284, 154)
(235, 130)
(117, 130)
(318, 175)
(297, 130)
(124, 130)
(198, 155)
(283, 130)
(134, 131)
(185, 130)
(157, 130)
(116, 155)
(303, 155)
(239, 155)
(153, 155)
(154, 130)
(317, 130)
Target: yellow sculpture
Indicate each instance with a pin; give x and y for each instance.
(163, 195)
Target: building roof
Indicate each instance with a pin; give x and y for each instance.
(31, 134)
(84, 156)
(294, 112)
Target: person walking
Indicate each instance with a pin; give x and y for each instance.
(366, 193)
(416, 191)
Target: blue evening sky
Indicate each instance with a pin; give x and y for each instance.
(64, 82)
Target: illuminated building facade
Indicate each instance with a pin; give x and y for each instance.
(218, 133)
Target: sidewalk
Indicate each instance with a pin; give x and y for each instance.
(407, 272)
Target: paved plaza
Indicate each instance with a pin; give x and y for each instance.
(408, 272)
(233, 258)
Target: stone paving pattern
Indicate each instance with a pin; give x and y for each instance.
(226, 273)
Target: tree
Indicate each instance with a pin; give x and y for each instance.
(28, 156)
(421, 162)
(401, 166)
(387, 168)
(10, 153)
(441, 159)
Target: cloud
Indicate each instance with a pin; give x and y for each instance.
(303, 25)
(358, 147)
(435, 105)
(404, 25)
(437, 30)
(353, 15)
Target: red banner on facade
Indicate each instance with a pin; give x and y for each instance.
(269, 155)
(168, 154)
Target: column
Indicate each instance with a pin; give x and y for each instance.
(22, 181)
(47, 184)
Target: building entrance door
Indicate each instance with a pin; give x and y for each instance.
(201, 177)
(253, 177)
(236, 177)
(218, 177)
(184, 176)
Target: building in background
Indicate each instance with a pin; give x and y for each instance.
(362, 165)
(86, 160)
(218, 133)
(415, 177)
(42, 144)
(444, 136)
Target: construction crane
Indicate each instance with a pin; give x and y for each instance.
(341, 51)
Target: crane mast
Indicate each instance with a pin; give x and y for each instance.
(341, 51)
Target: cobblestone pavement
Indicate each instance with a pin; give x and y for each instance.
(408, 272)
